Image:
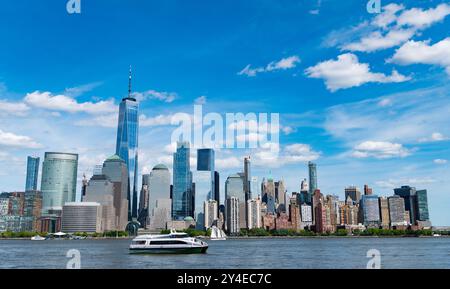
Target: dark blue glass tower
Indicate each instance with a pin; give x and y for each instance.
(182, 195)
(32, 174)
(127, 146)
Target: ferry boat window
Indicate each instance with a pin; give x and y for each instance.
(168, 242)
(139, 242)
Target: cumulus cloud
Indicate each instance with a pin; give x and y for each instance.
(391, 28)
(283, 64)
(421, 52)
(347, 71)
(434, 137)
(379, 150)
(108, 120)
(9, 139)
(395, 183)
(46, 100)
(13, 108)
(159, 120)
(167, 97)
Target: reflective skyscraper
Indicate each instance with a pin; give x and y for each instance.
(182, 195)
(59, 181)
(312, 167)
(32, 174)
(127, 146)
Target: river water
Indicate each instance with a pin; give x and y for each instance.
(277, 253)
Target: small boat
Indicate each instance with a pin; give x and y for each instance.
(436, 235)
(217, 234)
(38, 238)
(173, 243)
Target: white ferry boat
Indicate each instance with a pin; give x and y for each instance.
(173, 243)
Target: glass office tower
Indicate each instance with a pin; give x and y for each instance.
(127, 146)
(182, 194)
(59, 181)
(32, 174)
(312, 168)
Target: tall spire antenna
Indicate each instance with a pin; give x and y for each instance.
(129, 83)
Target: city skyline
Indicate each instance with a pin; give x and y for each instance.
(341, 128)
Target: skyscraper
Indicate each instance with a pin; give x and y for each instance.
(234, 188)
(371, 210)
(210, 209)
(217, 187)
(312, 168)
(409, 196)
(232, 215)
(247, 179)
(127, 146)
(354, 193)
(182, 195)
(116, 170)
(397, 211)
(422, 206)
(32, 174)
(205, 163)
(59, 181)
(160, 204)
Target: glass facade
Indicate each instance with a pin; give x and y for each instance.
(127, 148)
(205, 162)
(182, 195)
(159, 186)
(312, 168)
(409, 195)
(422, 206)
(371, 210)
(32, 173)
(59, 180)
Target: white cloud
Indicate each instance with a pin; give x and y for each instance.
(440, 161)
(107, 120)
(391, 28)
(46, 100)
(160, 120)
(79, 90)
(228, 163)
(420, 52)
(13, 108)
(378, 40)
(434, 137)
(395, 183)
(167, 97)
(9, 139)
(379, 150)
(283, 64)
(347, 71)
(423, 18)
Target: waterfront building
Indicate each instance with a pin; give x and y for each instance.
(4, 205)
(295, 217)
(59, 181)
(268, 195)
(316, 197)
(180, 225)
(349, 213)
(312, 169)
(422, 206)
(269, 221)
(127, 146)
(410, 197)
(232, 215)
(206, 163)
(32, 173)
(101, 190)
(384, 212)
(321, 223)
(254, 213)
(354, 193)
(81, 217)
(115, 169)
(32, 209)
(210, 209)
(160, 203)
(280, 197)
(143, 211)
(370, 210)
(183, 197)
(305, 197)
(234, 187)
(397, 211)
(247, 179)
(306, 215)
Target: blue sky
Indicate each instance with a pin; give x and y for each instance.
(366, 96)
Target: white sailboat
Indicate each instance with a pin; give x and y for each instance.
(217, 234)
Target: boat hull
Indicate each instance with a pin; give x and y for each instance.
(190, 250)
